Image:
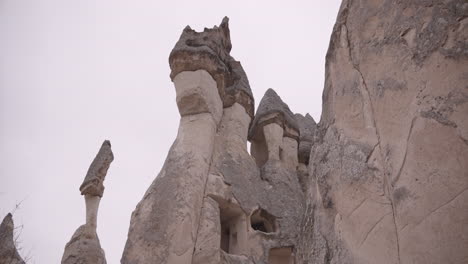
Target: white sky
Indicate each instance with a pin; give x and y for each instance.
(73, 73)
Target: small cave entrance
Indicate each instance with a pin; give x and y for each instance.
(233, 228)
(262, 221)
(282, 255)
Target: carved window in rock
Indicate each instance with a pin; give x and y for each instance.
(282, 255)
(233, 228)
(262, 221)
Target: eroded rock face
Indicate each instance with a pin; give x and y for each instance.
(389, 161)
(93, 184)
(307, 128)
(273, 110)
(210, 51)
(211, 202)
(8, 252)
(84, 247)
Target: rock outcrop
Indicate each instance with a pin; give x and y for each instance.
(8, 252)
(211, 202)
(389, 165)
(84, 246)
(382, 178)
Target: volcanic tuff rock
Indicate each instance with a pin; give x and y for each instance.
(8, 252)
(307, 128)
(273, 109)
(382, 178)
(211, 202)
(210, 51)
(389, 166)
(84, 246)
(93, 184)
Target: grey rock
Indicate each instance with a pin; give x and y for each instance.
(273, 110)
(307, 128)
(93, 184)
(387, 174)
(238, 89)
(210, 51)
(84, 248)
(8, 252)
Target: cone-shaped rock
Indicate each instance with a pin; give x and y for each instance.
(8, 252)
(273, 110)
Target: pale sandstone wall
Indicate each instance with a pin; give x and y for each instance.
(389, 166)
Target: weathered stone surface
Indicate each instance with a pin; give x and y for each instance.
(8, 252)
(210, 51)
(207, 50)
(307, 128)
(93, 183)
(196, 93)
(238, 89)
(163, 227)
(381, 178)
(274, 189)
(273, 110)
(388, 167)
(84, 247)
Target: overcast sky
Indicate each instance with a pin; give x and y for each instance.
(73, 73)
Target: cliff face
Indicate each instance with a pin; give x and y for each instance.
(389, 165)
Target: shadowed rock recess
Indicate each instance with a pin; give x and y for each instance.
(382, 178)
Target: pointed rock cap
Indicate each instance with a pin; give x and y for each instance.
(93, 183)
(307, 128)
(273, 110)
(8, 251)
(210, 51)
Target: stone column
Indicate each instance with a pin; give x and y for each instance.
(84, 246)
(274, 139)
(92, 206)
(164, 225)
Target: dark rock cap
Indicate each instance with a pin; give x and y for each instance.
(273, 110)
(209, 50)
(93, 182)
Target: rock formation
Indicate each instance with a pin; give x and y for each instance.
(8, 252)
(212, 203)
(84, 246)
(382, 178)
(389, 164)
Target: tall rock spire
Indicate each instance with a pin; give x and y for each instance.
(84, 246)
